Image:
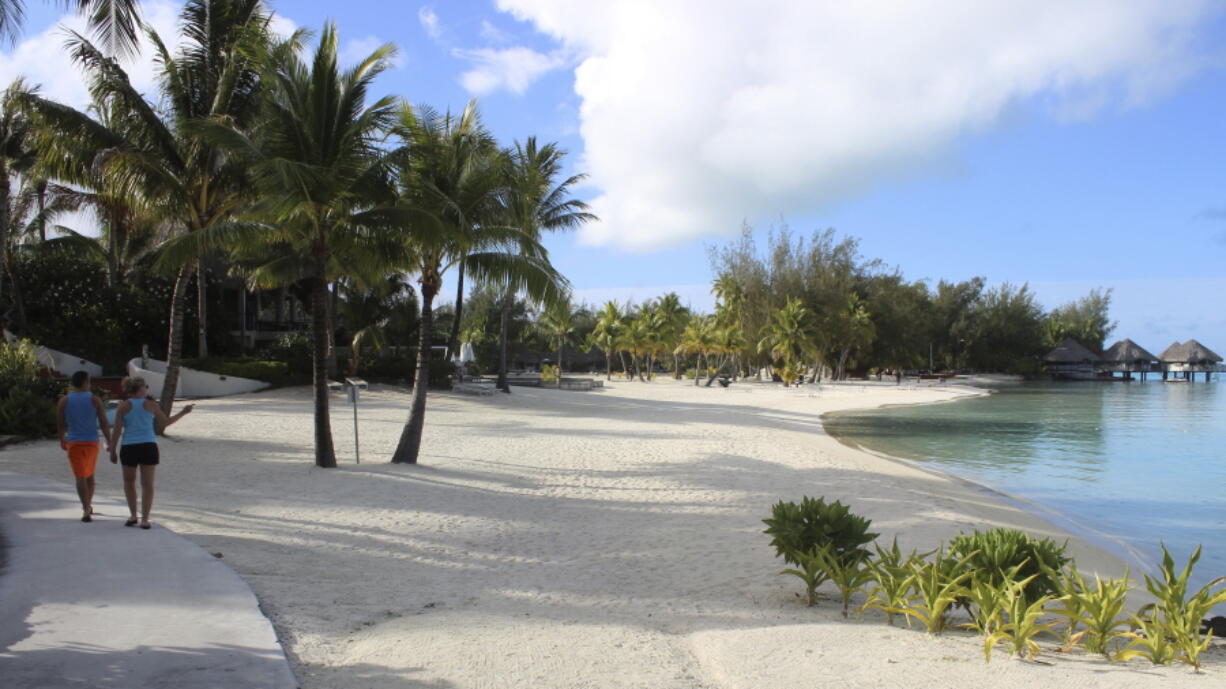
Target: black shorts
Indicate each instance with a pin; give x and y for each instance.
(139, 454)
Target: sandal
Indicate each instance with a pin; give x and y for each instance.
(146, 525)
(131, 522)
(87, 518)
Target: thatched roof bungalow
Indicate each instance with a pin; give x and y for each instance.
(1128, 357)
(1071, 359)
(1189, 358)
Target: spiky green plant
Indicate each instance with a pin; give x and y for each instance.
(1071, 583)
(989, 600)
(1150, 639)
(809, 570)
(850, 573)
(1179, 614)
(894, 579)
(1023, 625)
(1101, 607)
(938, 584)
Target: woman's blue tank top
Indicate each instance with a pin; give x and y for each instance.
(138, 424)
(82, 417)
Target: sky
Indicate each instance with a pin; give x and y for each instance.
(1070, 146)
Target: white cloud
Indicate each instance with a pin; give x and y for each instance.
(513, 69)
(493, 34)
(429, 22)
(361, 48)
(698, 114)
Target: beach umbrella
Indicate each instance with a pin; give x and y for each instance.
(466, 353)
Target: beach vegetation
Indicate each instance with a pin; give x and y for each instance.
(1023, 621)
(27, 399)
(893, 581)
(939, 582)
(1175, 616)
(850, 572)
(813, 523)
(1007, 555)
(811, 570)
(1099, 608)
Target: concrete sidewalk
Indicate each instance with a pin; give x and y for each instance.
(100, 605)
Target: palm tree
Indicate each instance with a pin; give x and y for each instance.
(557, 323)
(610, 323)
(534, 203)
(697, 339)
(445, 184)
(17, 157)
(324, 190)
(789, 338)
(856, 328)
(115, 22)
(159, 157)
(673, 317)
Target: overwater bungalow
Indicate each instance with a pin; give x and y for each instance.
(1071, 360)
(1185, 360)
(1127, 357)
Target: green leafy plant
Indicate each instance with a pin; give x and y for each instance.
(549, 373)
(938, 584)
(1099, 607)
(849, 572)
(800, 528)
(809, 570)
(1176, 614)
(1023, 625)
(988, 602)
(893, 576)
(1150, 639)
(997, 552)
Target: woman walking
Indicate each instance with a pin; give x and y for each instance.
(134, 423)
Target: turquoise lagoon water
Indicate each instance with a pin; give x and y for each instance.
(1129, 464)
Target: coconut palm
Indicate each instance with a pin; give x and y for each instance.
(159, 156)
(557, 323)
(698, 339)
(533, 202)
(445, 183)
(789, 338)
(17, 157)
(673, 317)
(115, 22)
(610, 323)
(324, 192)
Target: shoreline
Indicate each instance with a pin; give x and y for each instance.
(1112, 544)
(559, 539)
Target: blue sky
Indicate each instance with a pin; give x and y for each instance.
(1077, 148)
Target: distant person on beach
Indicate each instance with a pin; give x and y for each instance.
(135, 438)
(78, 416)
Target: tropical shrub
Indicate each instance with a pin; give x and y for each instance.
(1004, 555)
(808, 569)
(814, 523)
(850, 572)
(23, 411)
(441, 372)
(399, 368)
(294, 350)
(549, 373)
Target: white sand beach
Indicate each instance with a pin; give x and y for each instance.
(566, 539)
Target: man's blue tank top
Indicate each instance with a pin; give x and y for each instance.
(138, 424)
(82, 418)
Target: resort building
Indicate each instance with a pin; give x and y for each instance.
(1127, 357)
(1188, 359)
(1071, 360)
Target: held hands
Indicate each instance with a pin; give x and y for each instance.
(114, 456)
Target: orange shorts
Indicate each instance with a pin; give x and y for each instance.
(83, 456)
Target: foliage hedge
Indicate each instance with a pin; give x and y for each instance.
(27, 399)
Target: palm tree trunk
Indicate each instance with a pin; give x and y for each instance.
(202, 341)
(697, 369)
(502, 344)
(621, 355)
(325, 454)
(560, 345)
(330, 306)
(676, 367)
(410, 438)
(174, 340)
(608, 365)
(454, 336)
